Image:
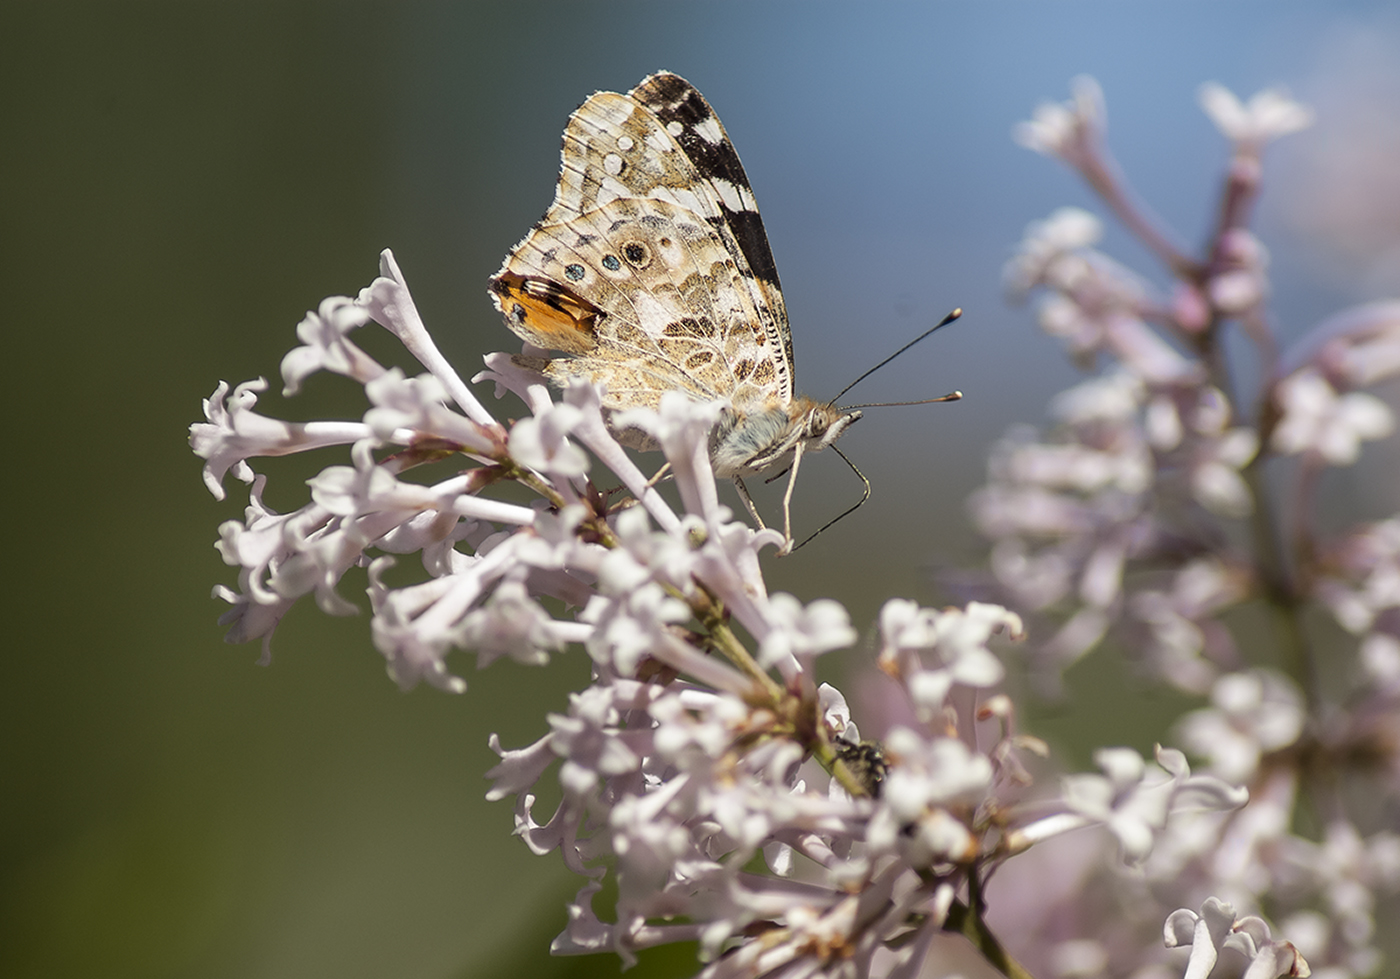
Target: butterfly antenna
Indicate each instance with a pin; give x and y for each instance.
(859, 503)
(941, 323)
(950, 396)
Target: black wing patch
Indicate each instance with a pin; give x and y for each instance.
(672, 99)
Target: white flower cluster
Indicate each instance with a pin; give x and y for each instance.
(1134, 476)
(1217, 927)
(1144, 521)
(729, 795)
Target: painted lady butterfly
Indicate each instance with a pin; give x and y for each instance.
(651, 272)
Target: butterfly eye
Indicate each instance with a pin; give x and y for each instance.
(637, 253)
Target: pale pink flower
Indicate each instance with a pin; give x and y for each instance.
(1267, 115)
(1320, 421)
(1217, 927)
(1069, 130)
(1252, 714)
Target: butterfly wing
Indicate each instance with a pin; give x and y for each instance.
(714, 164)
(652, 269)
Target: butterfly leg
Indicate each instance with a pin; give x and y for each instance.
(787, 501)
(748, 502)
(660, 475)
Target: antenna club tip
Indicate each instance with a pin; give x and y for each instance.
(955, 396)
(955, 313)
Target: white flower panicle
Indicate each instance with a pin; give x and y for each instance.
(693, 760)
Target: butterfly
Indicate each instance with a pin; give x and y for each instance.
(651, 272)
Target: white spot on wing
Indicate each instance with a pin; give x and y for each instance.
(709, 130)
(609, 190)
(674, 128)
(729, 194)
(625, 143)
(684, 197)
(612, 164)
(671, 253)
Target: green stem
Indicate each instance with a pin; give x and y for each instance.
(1276, 580)
(966, 920)
(812, 735)
(1271, 561)
(710, 612)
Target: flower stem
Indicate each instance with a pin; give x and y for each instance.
(1276, 581)
(966, 920)
(710, 611)
(1101, 172)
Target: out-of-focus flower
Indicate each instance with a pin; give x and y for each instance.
(1068, 130)
(1132, 799)
(1267, 115)
(1350, 873)
(1253, 713)
(1356, 348)
(1148, 521)
(1185, 644)
(1218, 454)
(1052, 250)
(1319, 421)
(1365, 578)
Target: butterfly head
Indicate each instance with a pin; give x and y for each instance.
(748, 443)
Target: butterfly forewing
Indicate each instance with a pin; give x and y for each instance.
(684, 113)
(714, 163)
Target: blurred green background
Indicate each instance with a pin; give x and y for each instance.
(180, 181)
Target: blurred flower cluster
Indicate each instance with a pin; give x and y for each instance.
(717, 794)
(1177, 520)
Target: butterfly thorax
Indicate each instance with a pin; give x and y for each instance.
(746, 443)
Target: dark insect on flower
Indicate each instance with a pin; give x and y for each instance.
(866, 762)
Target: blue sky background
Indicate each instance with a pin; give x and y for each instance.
(181, 181)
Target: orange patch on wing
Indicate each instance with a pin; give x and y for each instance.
(545, 313)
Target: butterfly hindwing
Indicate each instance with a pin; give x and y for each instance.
(672, 309)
